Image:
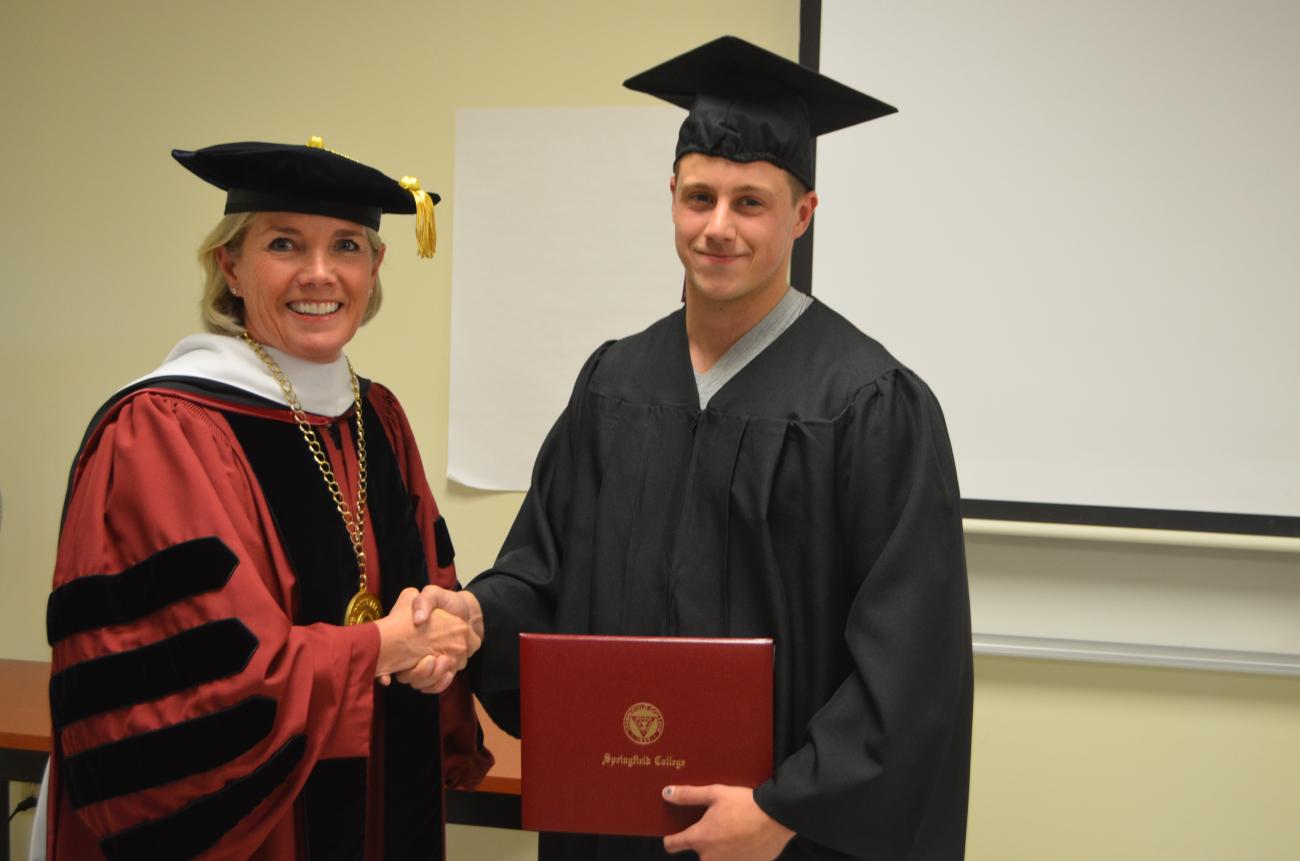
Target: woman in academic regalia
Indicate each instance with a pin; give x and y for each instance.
(244, 531)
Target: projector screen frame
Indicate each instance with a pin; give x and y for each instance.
(801, 265)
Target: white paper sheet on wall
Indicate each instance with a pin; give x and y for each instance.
(563, 240)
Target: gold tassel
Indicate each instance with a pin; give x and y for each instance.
(426, 232)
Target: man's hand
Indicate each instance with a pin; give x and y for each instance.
(734, 828)
(459, 603)
(404, 643)
(434, 674)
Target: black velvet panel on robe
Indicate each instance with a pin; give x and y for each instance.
(317, 543)
(814, 501)
(172, 574)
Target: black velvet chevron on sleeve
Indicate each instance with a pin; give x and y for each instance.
(162, 756)
(199, 825)
(188, 659)
(170, 575)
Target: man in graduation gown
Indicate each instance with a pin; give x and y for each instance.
(754, 466)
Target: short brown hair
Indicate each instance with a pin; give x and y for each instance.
(797, 187)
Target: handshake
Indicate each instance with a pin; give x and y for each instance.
(428, 637)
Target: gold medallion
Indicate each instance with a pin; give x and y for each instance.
(364, 607)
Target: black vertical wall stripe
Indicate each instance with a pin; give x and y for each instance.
(810, 28)
(177, 572)
(175, 752)
(199, 825)
(188, 659)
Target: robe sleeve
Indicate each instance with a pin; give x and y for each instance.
(519, 592)
(465, 759)
(884, 770)
(188, 710)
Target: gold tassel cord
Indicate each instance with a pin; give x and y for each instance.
(318, 142)
(426, 232)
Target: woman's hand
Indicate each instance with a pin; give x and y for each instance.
(409, 635)
(460, 603)
(434, 674)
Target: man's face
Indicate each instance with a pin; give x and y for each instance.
(735, 226)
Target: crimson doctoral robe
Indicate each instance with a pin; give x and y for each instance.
(206, 700)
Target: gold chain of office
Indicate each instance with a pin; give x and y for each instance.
(364, 607)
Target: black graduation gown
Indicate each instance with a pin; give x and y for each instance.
(814, 501)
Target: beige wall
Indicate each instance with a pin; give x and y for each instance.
(1071, 761)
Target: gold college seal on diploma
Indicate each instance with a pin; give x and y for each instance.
(643, 723)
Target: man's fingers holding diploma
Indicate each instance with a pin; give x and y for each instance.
(734, 828)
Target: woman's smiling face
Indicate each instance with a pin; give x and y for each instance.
(305, 281)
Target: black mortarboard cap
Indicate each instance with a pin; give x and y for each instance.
(271, 177)
(748, 104)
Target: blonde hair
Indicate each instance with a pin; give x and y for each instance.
(223, 311)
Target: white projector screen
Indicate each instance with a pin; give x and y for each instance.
(1083, 230)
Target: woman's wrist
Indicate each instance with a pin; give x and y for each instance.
(394, 648)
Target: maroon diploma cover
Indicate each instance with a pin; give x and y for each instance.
(608, 722)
